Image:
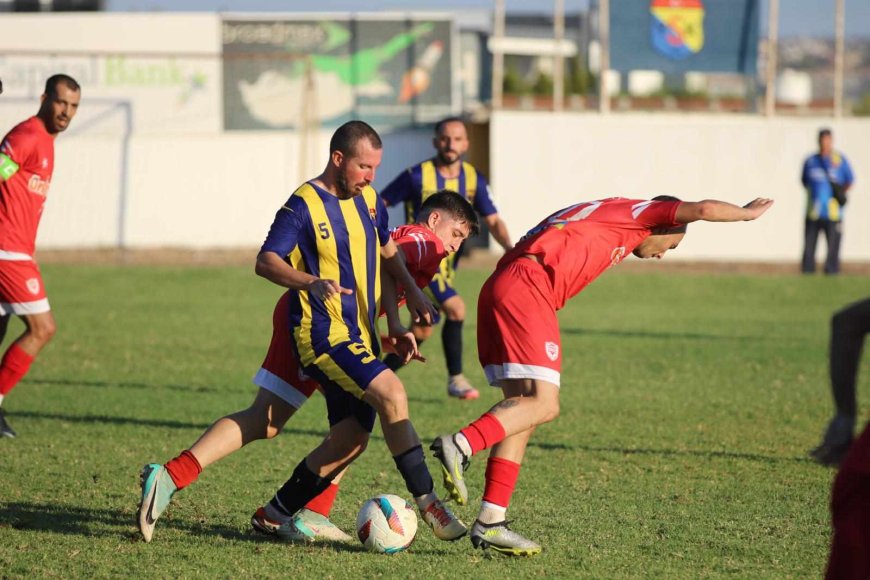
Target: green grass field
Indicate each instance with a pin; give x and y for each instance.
(688, 404)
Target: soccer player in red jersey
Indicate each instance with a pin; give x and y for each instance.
(444, 222)
(518, 333)
(26, 166)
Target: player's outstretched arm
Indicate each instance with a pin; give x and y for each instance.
(712, 210)
(499, 231)
(402, 339)
(272, 267)
(422, 311)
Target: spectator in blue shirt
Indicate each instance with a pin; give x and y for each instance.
(827, 178)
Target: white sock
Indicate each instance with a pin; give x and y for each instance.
(491, 513)
(463, 444)
(1, 399)
(423, 501)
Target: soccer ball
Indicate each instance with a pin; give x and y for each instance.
(386, 524)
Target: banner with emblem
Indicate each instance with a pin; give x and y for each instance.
(676, 36)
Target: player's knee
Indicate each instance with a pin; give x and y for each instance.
(44, 331)
(454, 308)
(549, 410)
(351, 446)
(388, 397)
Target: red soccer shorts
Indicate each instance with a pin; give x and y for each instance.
(517, 329)
(21, 288)
(281, 373)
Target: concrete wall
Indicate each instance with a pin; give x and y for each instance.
(542, 162)
(196, 191)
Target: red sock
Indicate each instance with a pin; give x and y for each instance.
(15, 365)
(322, 504)
(484, 433)
(501, 479)
(184, 469)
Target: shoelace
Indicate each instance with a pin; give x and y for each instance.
(466, 461)
(502, 524)
(439, 512)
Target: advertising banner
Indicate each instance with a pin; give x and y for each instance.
(302, 72)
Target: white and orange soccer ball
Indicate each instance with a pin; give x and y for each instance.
(386, 524)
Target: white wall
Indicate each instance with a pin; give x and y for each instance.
(189, 191)
(542, 162)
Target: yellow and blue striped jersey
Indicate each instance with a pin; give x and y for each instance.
(418, 182)
(338, 240)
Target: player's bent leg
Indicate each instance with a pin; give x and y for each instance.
(387, 395)
(264, 419)
(347, 439)
(458, 385)
(527, 403)
(41, 328)
(491, 530)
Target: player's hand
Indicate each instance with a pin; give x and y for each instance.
(422, 311)
(405, 344)
(326, 289)
(757, 207)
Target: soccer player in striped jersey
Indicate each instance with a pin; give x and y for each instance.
(444, 222)
(412, 187)
(518, 333)
(26, 167)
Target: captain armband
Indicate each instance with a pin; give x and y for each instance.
(8, 167)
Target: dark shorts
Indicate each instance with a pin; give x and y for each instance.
(344, 371)
(441, 288)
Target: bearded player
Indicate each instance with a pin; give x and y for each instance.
(444, 221)
(26, 167)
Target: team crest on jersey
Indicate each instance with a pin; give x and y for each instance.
(617, 255)
(44, 162)
(677, 27)
(373, 213)
(33, 285)
(552, 350)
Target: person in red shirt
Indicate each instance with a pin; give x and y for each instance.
(518, 333)
(26, 166)
(444, 221)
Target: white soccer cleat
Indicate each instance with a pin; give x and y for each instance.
(442, 521)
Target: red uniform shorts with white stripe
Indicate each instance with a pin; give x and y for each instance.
(281, 373)
(21, 288)
(517, 328)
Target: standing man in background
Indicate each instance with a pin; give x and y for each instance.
(447, 171)
(26, 166)
(827, 178)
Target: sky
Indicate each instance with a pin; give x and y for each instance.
(809, 18)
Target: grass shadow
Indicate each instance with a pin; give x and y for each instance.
(657, 335)
(121, 385)
(145, 422)
(104, 523)
(706, 454)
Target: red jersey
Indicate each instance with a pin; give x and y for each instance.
(576, 244)
(26, 165)
(423, 253)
